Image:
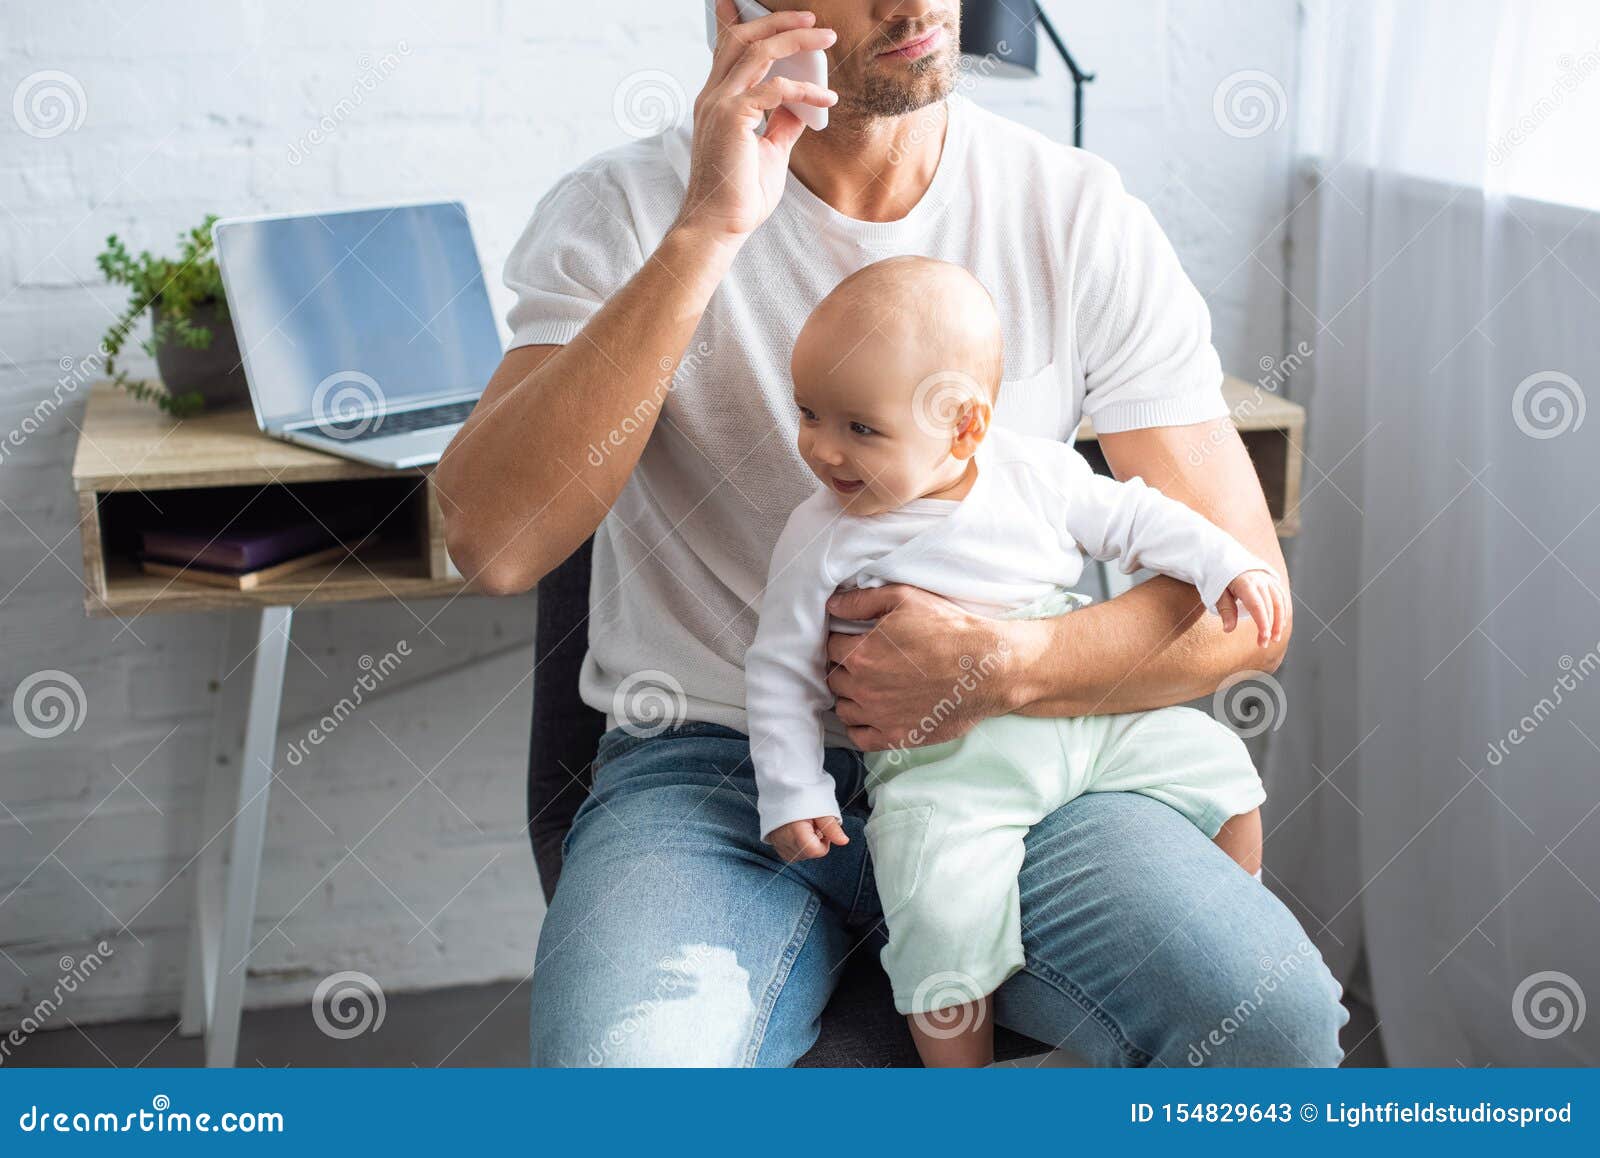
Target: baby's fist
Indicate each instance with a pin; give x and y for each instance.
(807, 839)
(1263, 598)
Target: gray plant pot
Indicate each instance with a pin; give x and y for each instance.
(215, 372)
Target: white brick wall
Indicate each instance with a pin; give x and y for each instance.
(194, 107)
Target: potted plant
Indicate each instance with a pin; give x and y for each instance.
(191, 335)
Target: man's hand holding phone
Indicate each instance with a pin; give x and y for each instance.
(736, 176)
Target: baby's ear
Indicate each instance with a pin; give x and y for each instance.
(972, 425)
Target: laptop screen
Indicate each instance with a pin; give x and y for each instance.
(372, 307)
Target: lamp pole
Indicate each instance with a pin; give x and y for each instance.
(1079, 77)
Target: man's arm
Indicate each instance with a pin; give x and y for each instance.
(519, 486)
(1150, 647)
(542, 458)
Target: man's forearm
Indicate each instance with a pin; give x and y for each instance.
(1150, 647)
(546, 452)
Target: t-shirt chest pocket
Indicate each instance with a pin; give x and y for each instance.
(1037, 403)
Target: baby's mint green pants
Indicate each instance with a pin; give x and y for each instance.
(948, 822)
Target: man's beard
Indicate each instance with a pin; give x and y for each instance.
(930, 79)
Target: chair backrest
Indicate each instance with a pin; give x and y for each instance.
(565, 730)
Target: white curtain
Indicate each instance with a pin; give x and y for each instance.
(1435, 784)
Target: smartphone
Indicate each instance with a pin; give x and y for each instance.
(811, 67)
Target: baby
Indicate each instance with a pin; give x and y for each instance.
(896, 373)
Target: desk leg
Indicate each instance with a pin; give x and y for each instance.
(225, 980)
(219, 781)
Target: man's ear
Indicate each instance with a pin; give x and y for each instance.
(972, 425)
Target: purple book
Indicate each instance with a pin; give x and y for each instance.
(266, 533)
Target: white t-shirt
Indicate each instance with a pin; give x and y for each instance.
(1097, 314)
(1022, 532)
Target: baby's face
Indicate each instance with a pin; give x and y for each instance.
(872, 444)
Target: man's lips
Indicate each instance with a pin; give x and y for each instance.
(923, 45)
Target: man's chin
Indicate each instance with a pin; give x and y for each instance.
(902, 95)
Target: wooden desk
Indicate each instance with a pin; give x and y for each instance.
(131, 463)
(130, 455)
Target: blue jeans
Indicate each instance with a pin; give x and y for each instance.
(677, 938)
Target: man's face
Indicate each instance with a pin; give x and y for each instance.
(864, 68)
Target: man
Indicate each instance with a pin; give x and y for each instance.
(646, 401)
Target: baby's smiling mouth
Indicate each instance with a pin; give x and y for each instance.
(846, 486)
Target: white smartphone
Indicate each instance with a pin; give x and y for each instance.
(810, 67)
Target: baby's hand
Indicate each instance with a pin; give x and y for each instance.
(1263, 598)
(807, 839)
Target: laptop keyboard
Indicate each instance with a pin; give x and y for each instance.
(424, 418)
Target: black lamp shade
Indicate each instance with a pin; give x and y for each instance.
(1004, 31)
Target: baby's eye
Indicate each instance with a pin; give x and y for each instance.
(807, 415)
(861, 428)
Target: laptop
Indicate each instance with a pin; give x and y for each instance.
(365, 333)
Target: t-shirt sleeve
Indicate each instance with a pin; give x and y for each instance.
(1142, 327)
(580, 247)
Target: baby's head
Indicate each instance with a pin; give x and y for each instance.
(895, 374)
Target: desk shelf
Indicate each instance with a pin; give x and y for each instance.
(133, 460)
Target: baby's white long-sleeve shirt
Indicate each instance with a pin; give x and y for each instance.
(1035, 511)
